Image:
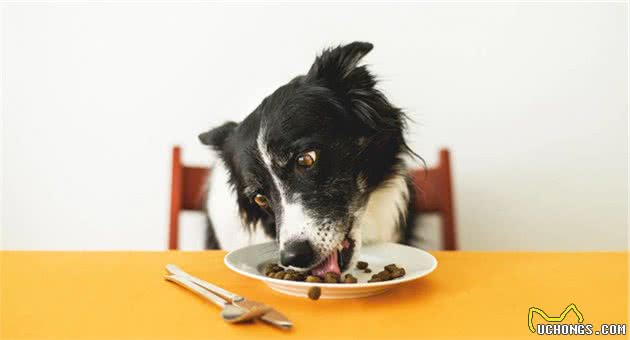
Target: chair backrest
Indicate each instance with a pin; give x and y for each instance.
(434, 194)
(187, 193)
(433, 191)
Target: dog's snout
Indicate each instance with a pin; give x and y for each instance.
(297, 254)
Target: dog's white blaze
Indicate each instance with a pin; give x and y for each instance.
(294, 221)
(229, 230)
(383, 210)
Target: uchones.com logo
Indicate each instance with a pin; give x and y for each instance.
(554, 325)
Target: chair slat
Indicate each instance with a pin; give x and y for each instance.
(194, 185)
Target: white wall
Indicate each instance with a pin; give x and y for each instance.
(530, 98)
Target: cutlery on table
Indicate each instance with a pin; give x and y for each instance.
(230, 312)
(270, 315)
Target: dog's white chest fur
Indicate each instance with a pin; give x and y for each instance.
(383, 212)
(378, 221)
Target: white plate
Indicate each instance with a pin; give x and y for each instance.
(249, 261)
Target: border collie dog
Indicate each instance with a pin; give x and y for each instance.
(317, 167)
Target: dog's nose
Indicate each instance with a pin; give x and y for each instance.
(297, 254)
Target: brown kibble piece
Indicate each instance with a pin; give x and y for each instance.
(349, 279)
(331, 277)
(384, 275)
(391, 267)
(268, 268)
(367, 270)
(362, 265)
(314, 293)
(375, 279)
(399, 272)
(312, 278)
(271, 268)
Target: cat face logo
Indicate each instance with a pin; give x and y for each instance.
(548, 318)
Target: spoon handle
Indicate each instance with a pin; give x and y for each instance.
(197, 290)
(175, 270)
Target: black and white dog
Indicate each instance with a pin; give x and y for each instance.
(317, 166)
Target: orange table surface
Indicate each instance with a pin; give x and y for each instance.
(122, 295)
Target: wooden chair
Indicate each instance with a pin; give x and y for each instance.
(187, 193)
(434, 194)
(433, 191)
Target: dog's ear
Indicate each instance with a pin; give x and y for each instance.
(337, 67)
(217, 136)
(337, 70)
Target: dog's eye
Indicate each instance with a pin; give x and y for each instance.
(307, 159)
(261, 200)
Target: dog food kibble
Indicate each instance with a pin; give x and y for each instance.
(384, 275)
(267, 269)
(389, 272)
(398, 272)
(291, 276)
(331, 277)
(390, 267)
(349, 279)
(362, 265)
(314, 293)
(271, 268)
(312, 278)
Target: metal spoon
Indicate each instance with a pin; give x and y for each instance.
(230, 312)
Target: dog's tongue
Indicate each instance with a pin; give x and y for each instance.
(330, 265)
